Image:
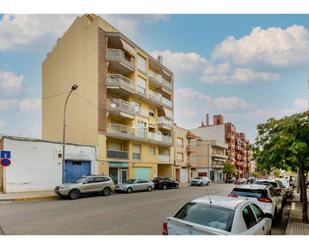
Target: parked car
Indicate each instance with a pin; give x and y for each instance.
(263, 195)
(251, 180)
(286, 183)
(133, 185)
(230, 180)
(200, 181)
(86, 185)
(164, 182)
(240, 181)
(277, 185)
(218, 216)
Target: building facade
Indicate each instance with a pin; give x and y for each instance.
(123, 104)
(238, 145)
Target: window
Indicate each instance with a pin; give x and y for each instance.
(252, 193)
(179, 142)
(136, 106)
(258, 212)
(152, 150)
(272, 192)
(141, 85)
(249, 217)
(115, 146)
(180, 157)
(136, 155)
(141, 63)
(151, 112)
(203, 214)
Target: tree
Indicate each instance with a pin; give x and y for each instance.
(229, 169)
(255, 174)
(283, 144)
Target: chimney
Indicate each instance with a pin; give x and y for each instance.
(207, 119)
(160, 59)
(218, 119)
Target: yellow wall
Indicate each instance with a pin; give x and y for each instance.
(165, 170)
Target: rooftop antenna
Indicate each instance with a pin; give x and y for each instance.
(210, 201)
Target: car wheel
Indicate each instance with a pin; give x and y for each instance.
(269, 233)
(74, 194)
(149, 189)
(107, 191)
(176, 186)
(201, 184)
(207, 183)
(164, 187)
(129, 190)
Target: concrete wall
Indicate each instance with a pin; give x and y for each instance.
(1, 168)
(211, 132)
(36, 165)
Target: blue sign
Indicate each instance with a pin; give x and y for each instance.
(5, 154)
(5, 162)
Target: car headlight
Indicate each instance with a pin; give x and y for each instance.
(64, 187)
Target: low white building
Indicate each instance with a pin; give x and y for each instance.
(36, 165)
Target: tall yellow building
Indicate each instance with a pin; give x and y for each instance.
(123, 104)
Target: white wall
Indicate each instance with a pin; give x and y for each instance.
(36, 165)
(211, 132)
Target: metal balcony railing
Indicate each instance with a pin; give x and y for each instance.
(118, 55)
(118, 80)
(117, 154)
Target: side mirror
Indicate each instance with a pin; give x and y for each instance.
(268, 215)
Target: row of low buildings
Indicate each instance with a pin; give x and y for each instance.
(122, 114)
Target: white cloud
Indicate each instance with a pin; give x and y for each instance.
(9, 81)
(2, 125)
(29, 105)
(6, 104)
(272, 46)
(225, 74)
(301, 104)
(231, 103)
(32, 30)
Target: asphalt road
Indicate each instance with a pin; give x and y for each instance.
(119, 214)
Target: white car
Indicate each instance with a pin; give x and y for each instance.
(218, 215)
(286, 183)
(200, 181)
(263, 195)
(277, 185)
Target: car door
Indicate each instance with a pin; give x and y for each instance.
(138, 185)
(250, 221)
(171, 183)
(277, 199)
(89, 185)
(263, 224)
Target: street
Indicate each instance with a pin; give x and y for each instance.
(120, 214)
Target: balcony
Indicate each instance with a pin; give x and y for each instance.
(119, 62)
(120, 108)
(120, 82)
(159, 99)
(164, 158)
(124, 132)
(164, 123)
(217, 155)
(159, 80)
(117, 154)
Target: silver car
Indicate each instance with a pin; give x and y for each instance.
(200, 181)
(133, 185)
(86, 185)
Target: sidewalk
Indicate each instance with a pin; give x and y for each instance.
(295, 225)
(27, 196)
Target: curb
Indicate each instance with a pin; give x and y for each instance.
(288, 230)
(50, 197)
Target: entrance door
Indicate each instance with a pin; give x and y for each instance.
(75, 169)
(123, 176)
(177, 175)
(113, 173)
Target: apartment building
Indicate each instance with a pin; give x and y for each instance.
(238, 145)
(123, 104)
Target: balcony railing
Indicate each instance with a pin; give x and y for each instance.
(118, 80)
(164, 122)
(140, 133)
(163, 158)
(118, 55)
(159, 98)
(120, 105)
(136, 156)
(117, 154)
(159, 79)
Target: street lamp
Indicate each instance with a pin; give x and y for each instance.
(73, 88)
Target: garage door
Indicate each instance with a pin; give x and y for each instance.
(142, 173)
(75, 169)
(183, 175)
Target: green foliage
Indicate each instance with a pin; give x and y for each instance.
(255, 174)
(283, 143)
(229, 169)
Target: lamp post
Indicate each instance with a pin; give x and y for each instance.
(73, 88)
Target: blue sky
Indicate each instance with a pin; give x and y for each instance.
(247, 67)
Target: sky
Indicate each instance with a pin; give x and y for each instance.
(246, 67)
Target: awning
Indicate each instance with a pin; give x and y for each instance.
(118, 165)
(168, 113)
(128, 47)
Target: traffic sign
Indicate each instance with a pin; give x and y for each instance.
(5, 162)
(5, 154)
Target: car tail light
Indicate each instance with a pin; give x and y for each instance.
(233, 195)
(164, 229)
(264, 199)
(278, 190)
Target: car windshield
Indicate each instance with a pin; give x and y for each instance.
(274, 184)
(203, 214)
(130, 181)
(253, 193)
(79, 180)
(198, 177)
